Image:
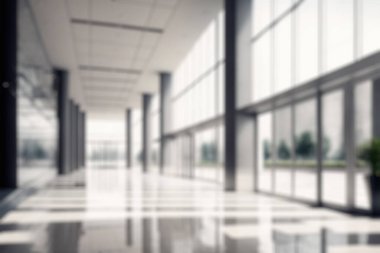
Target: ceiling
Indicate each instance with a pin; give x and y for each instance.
(114, 49)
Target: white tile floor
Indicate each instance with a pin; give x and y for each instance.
(112, 210)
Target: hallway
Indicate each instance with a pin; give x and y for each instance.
(113, 210)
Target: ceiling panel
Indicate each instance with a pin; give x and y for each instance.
(144, 53)
(122, 11)
(106, 49)
(102, 74)
(140, 64)
(107, 62)
(126, 12)
(149, 40)
(108, 80)
(106, 35)
(160, 17)
(167, 3)
(94, 55)
(117, 34)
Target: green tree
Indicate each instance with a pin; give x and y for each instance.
(283, 151)
(209, 152)
(305, 145)
(267, 149)
(326, 147)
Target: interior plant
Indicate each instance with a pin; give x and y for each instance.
(370, 153)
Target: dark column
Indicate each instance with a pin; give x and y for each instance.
(244, 125)
(128, 138)
(165, 87)
(145, 132)
(375, 205)
(72, 135)
(68, 137)
(84, 139)
(239, 128)
(61, 84)
(375, 110)
(80, 137)
(77, 139)
(8, 94)
(230, 94)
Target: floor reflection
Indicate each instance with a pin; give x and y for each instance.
(112, 210)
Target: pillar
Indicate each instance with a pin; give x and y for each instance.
(165, 87)
(145, 132)
(128, 138)
(230, 7)
(239, 127)
(61, 84)
(8, 94)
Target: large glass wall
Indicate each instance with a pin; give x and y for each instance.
(305, 141)
(283, 46)
(306, 41)
(206, 154)
(154, 114)
(197, 96)
(283, 151)
(363, 134)
(36, 103)
(338, 37)
(369, 18)
(334, 176)
(296, 41)
(265, 152)
(198, 81)
(287, 150)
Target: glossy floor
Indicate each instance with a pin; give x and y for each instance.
(111, 210)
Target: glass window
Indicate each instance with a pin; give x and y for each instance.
(221, 88)
(262, 15)
(36, 102)
(370, 29)
(262, 68)
(363, 134)
(281, 6)
(265, 152)
(334, 183)
(338, 33)
(306, 41)
(206, 162)
(220, 155)
(194, 84)
(282, 47)
(221, 34)
(284, 151)
(305, 141)
(283, 55)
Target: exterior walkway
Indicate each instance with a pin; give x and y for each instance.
(111, 210)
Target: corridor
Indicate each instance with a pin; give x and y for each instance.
(114, 210)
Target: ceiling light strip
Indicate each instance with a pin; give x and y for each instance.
(109, 69)
(110, 80)
(117, 25)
